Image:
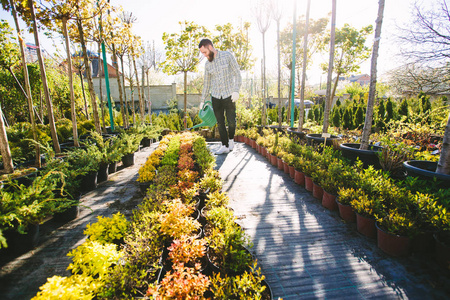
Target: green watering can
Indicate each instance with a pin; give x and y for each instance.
(206, 114)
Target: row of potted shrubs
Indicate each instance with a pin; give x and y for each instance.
(368, 194)
(55, 189)
(182, 241)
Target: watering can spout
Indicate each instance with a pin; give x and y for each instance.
(206, 114)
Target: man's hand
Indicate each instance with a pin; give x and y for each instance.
(234, 96)
(201, 105)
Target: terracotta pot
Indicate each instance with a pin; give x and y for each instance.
(263, 151)
(308, 184)
(258, 148)
(274, 160)
(280, 164)
(268, 156)
(366, 226)
(346, 212)
(292, 172)
(317, 191)
(299, 177)
(392, 244)
(253, 144)
(285, 167)
(329, 201)
(423, 242)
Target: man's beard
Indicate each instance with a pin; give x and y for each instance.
(211, 56)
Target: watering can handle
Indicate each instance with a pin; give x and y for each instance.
(206, 103)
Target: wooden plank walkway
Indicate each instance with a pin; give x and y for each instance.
(307, 251)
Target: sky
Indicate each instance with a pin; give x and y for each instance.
(154, 17)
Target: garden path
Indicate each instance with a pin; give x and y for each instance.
(306, 251)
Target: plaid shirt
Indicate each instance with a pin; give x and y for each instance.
(222, 76)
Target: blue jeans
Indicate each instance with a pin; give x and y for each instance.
(221, 108)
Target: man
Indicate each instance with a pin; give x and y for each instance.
(222, 82)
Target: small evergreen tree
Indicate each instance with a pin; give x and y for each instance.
(311, 114)
(359, 117)
(380, 115)
(389, 110)
(347, 119)
(403, 110)
(336, 116)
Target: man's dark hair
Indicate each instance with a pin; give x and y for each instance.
(205, 42)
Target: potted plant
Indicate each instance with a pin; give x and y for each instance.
(86, 165)
(344, 199)
(24, 208)
(395, 229)
(367, 207)
(181, 283)
(128, 144)
(178, 221)
(249, 285)
(227, 251)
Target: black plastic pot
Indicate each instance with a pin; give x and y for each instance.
(112, 167)
(146, 142)
(89, 182)
(21, 243)
(103, 172)
(294, 134)
(317, 139)
(368, 157)
(128, 160)
(426, 170)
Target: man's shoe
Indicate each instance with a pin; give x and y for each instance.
(231, 144)
(222, 150)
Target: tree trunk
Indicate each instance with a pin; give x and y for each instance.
(99, 75)
(443, 166)
(98, 128)
(72, 95)
(144, 101)
(280, 119)
(149, 102)
(4, 147)
(125, 121)
(328, 100)
(51, 118)
(301, 113)
(27, 91)
(373, 80)
(141, 103)
(80, 74)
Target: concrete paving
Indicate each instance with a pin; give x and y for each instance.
(304, 250)
(307, 251)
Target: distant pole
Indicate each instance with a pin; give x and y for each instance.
(301, 113)
(294, 38)
(105, 68)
